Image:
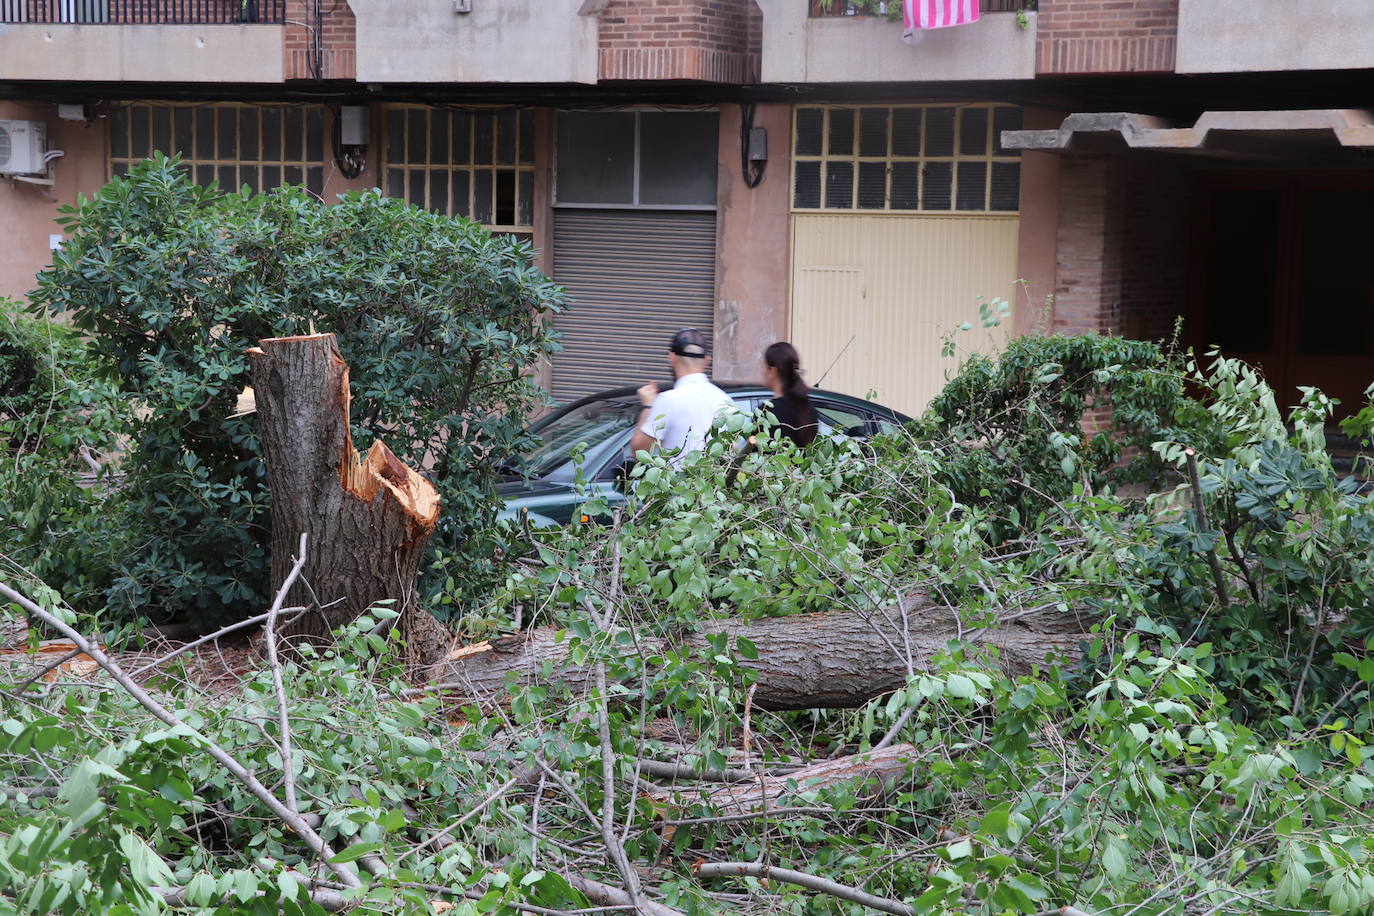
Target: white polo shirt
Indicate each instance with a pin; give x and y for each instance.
(681, 416)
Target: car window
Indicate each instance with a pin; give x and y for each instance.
(843, 419)
(599, 424)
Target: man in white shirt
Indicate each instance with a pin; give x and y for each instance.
(678, 419)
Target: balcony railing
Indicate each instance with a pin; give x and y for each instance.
(827, 8)
(144, 12)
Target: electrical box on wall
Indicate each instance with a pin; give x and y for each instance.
(758, 144)
(22, 147)
(353, 125)
(462, 6)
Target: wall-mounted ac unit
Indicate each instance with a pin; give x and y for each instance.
(22, 147)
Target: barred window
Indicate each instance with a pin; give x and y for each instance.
(478, 164)
(261, 146)
(913, 158)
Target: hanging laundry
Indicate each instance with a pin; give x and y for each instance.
(918, 15)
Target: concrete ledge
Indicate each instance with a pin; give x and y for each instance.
(142, 53)
(524, 41)
(1237, 36)
(859, 49)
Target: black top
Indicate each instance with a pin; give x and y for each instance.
(796, 418)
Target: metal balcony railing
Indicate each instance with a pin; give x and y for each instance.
(144, 12)
(822, 8)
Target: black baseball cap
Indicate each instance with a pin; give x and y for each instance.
(688, 342)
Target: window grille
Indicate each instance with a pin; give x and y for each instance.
(260, 146)
(907, 158)
(477, 164)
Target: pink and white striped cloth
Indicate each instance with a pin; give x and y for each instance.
(936, 14)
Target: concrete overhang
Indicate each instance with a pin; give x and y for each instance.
(1259, 135)
(142, 53)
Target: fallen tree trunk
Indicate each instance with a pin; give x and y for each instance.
(367, 519)
(840, 659)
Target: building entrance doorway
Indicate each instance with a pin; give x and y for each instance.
(1283, 278)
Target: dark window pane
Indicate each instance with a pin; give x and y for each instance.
(271, 177)
(1004, 117)
(417, 187)
(527, 137)
(162, 130)
(524, 215)
(314, 134)
(396, 136)
(481, 196)
(841, 140)
(939, 132)
(462, 188)
(119, 168)
(248, 134)
(906, 185)
(205, 132)
(119, 133)
(810, 124)
(1336, 309)
(483, 137)
(677, 157)
(139, 133)
(271, 134)
(1241, 272)
(839, 185)
(973, 185)
(226, 146)
(417, 136)
(204, 175)
(807, 193)
(973, 132)
(873, 132)
(439, 133)
(438, 191)
(872, 185)
(314, 180)
(906, 132)
(182, 140)
(462, 138)
(596, 157)
(505, 198)
(248, 175)
(505, 137)
(1006, 186)
(292, 175)
(395, 183)
(937, 191)
(292, 135)
(228, 178)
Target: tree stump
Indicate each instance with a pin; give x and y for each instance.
(367, 519)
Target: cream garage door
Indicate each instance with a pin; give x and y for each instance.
(873, 297)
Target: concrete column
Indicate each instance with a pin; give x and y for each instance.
(753, 250)
(1037, 239)
(26, 213)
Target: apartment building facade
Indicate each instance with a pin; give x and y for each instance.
(768, 169)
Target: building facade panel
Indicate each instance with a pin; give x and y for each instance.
(1237, 36)
(142, 53)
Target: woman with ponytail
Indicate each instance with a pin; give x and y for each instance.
(791, 403)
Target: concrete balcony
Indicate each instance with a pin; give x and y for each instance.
(1238, 36)
(799, 48)
(510, 41)
(141, 53)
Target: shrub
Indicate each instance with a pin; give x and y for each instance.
(438, 319)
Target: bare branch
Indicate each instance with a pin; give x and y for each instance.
(802, 879)
(274, 663)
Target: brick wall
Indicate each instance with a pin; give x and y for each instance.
(1106, 36)
(338, 40)
(708, 40)
(1088, 260)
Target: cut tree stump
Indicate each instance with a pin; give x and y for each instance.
(840, 659)
(367, 520)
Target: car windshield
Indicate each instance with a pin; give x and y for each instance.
(597, 423)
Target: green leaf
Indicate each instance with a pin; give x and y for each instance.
(355, 852)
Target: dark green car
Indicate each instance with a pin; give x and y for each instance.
(549, 484)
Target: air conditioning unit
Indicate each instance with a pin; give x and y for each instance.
(22, 147)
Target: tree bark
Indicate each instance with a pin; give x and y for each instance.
(840, 659)
(368, 519)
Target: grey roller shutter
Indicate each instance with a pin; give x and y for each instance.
(635, 278)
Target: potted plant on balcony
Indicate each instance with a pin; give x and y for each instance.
(246, 10)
